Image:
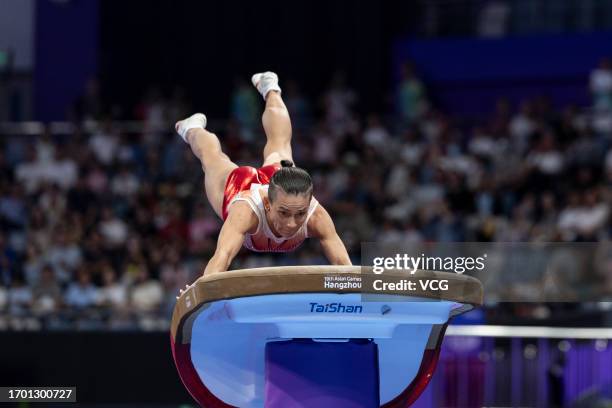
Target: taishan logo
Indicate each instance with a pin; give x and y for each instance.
(334, 308)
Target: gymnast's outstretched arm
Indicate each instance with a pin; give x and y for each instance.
(240, 220)
(320, 225)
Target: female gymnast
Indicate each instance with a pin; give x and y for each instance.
(269, 209)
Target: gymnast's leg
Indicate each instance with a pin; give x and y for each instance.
(207, 148)
(275, 119)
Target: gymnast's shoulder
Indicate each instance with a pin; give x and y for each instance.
(320, 223)
(242, 217)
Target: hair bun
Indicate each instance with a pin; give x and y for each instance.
(286, 163)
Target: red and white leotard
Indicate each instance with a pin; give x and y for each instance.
(245, 184)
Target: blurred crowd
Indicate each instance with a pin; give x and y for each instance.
(497, 18)
(101, 225)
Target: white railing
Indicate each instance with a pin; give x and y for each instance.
(32, 128)
(530, 332)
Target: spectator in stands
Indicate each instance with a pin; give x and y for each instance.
(38, 229)
(152, 111)
(58, 169)
(608, 167)
(174, 275)
(3, 299)
(8, 259)
(376, 136)
(45, 148)
(53, 203)
(114, 231)
(113, 294)
(545, 229)
(411, 102)
(601, 85)
(125, 183)
(493, 18)
(89, 105)
(19, 296)
(64, 255)
(297, 105)
(13, 213)
(177, 106)
(522, 127)
(96, 179)
(47, 293)
(245, 107)
(203, 227)
(594, 216)
(82, 294)
(325, 149)
(583, 218)
(338, 103)
(104, 143)
(146, 295)
(29, 172)
(545, 162)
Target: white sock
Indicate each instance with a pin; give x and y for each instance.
(266, 82)
(197, 120)
(270, 87)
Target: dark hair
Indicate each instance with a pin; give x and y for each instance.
(291, 180)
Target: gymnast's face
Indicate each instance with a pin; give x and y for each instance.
(287, 213)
